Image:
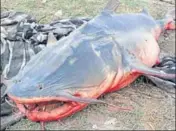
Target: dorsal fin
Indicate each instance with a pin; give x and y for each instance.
(112, 5)
(145, 11)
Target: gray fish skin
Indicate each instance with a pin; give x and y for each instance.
(86, 56)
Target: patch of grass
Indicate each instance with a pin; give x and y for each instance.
(141, 79)
(26, 124)
(135, 3)
(69, 8)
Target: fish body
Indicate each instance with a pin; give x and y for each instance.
(103, 55)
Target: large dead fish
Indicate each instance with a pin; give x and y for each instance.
(103, 55)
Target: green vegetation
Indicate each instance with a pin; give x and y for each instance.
(47, 9)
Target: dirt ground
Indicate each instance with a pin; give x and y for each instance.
(153, 108)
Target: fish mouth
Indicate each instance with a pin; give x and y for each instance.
(47, 107)
(39, 103)
(43, 106)
(34, 99)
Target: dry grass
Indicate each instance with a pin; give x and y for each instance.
(46, 9)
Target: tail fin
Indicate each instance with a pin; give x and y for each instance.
(168, 22)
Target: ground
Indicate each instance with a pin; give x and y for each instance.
(153, 108)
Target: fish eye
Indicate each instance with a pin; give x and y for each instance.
(40, 86)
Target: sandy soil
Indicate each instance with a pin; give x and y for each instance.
(154, 109)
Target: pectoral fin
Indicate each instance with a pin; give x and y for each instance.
(141, 68)
(80, 99)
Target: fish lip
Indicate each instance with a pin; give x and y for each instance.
(35, 100)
